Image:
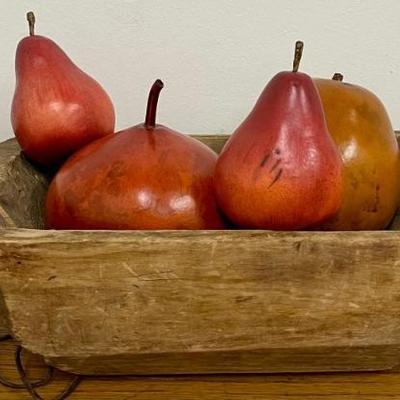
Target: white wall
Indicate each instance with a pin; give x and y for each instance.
(214, 56)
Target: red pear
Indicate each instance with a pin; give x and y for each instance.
(57, 108)
(144, 177)
(280, 169)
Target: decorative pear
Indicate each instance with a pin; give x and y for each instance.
(57, 108)
(144, 177)
(361, 129)
(280, 169)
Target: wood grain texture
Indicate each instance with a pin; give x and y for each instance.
(333, 386)
(22, 189)
(4, 322)
(204, 302)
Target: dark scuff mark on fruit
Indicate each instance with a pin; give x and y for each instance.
(373, 207)
(376, 203)
(278, 175)
(265, 159)
(117, 170)
(275, 165)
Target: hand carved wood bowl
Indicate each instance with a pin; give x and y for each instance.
(167, 302)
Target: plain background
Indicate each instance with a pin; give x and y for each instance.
(215, 56)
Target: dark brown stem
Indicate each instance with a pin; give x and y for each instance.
(30, 16)
(298, 52)
(337, 77)
(150, 121)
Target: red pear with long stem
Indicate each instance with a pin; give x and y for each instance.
(57, 108)
(280, 169)
(144, 177)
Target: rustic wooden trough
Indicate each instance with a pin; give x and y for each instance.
(138, 302)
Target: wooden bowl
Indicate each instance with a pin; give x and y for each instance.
(168, 302)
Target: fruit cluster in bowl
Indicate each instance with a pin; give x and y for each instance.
(312, 154)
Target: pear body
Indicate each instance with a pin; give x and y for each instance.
(280, 169)
(138, 178)
(57, 108)
(362, 131)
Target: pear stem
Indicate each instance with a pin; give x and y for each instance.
(298, 52)
(30, 16)
(150, 121)
(338, 77)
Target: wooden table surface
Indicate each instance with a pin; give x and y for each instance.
(363, 386)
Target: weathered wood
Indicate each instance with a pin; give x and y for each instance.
(188, 302)
(22, 189)
(215, 142)
(22, 192)
(9, 153)
(4, 323)
(4, 328)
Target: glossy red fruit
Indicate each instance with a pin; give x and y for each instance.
(145, 177)
(280, 169)
(57, 108)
